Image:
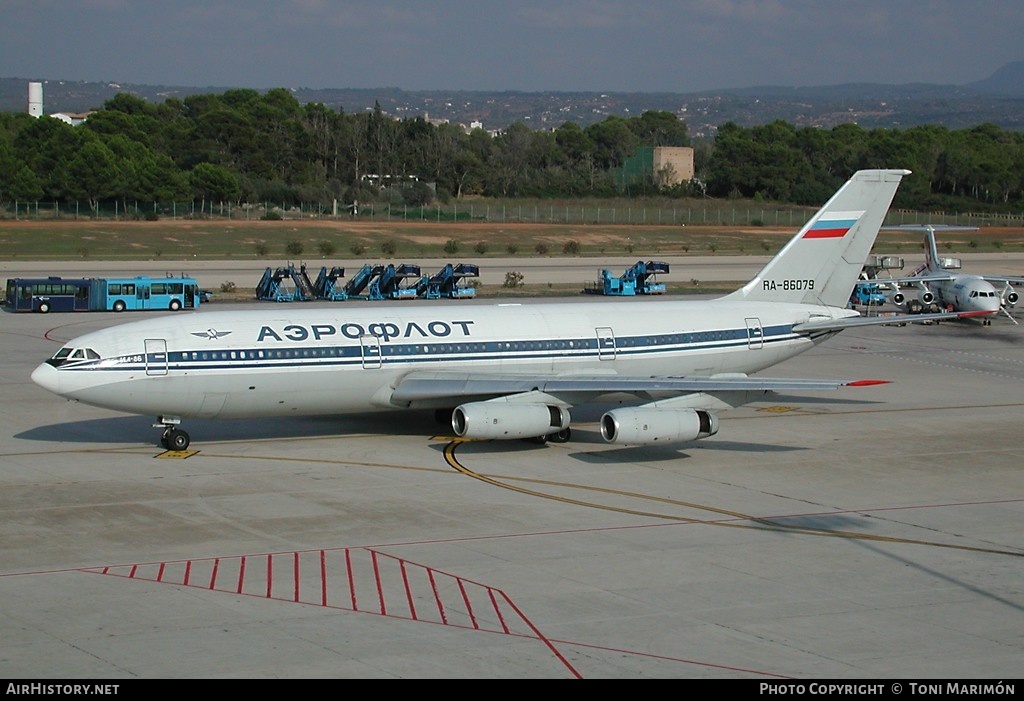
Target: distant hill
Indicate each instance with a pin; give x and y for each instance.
(1007, 81)
(998, 99)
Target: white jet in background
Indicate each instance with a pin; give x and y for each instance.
(938, 284)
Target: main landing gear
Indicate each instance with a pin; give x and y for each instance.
(173, 438)
(562, 436)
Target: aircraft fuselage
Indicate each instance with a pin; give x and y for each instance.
(344, 359)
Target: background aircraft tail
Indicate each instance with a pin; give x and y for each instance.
(821, 264)
(931, 250)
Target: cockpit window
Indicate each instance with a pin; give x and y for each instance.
(68, 354)
(62, 354)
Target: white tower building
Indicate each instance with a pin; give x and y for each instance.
(35, 99)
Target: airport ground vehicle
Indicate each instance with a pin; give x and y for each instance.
(641, 279)
(867, 294)
(57, 294)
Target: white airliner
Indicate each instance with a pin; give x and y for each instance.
(504, 371)
(937, 284)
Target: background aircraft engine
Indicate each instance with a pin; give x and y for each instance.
(1010, 296)
(926, 296)
(645, 426)
(898, 298)
(507, 420)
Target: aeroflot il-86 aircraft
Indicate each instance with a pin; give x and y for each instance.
(504, 371)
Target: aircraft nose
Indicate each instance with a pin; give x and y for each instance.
(46, 377)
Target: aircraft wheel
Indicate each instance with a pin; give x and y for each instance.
(537, 440)
(178, 439)
(562, 436)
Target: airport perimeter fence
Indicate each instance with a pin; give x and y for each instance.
(725, 213)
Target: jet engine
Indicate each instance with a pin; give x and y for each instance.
(500, 420)
(898, 298)
(646, 426)
(925, 296)
(1010, 296)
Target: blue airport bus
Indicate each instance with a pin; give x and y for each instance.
(56, 294)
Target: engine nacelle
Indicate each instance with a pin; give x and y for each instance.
(898, 298)
(925, 295)
(508, 420)
(1010, 296)
(645, 425)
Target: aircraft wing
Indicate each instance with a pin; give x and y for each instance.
(826, 324)
(1004, 279)
(946, 277)
(422, 386)
(924, 277)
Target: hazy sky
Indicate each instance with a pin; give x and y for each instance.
(542, 45)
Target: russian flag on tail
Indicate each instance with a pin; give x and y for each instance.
(831, 228)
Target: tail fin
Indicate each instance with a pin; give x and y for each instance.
(931, 250)
(821, 264)
(932, 261)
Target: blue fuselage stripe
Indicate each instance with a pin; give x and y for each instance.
(390, 353)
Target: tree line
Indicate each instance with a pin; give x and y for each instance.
(244, 146)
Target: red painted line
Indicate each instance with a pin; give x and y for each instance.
(408, 590)
(160, 572)
(295, 573)
(241, 575)
(497, 610)
(380, 584)
(188, 572)
(135, 568)
(437, 597)
(323, 578)
(469, 606)
(213, 575)
(270, 575)
(351, 581)
(541, 636)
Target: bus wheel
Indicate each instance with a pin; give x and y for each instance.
(175, 305)
(44, 307)
(119, 306)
